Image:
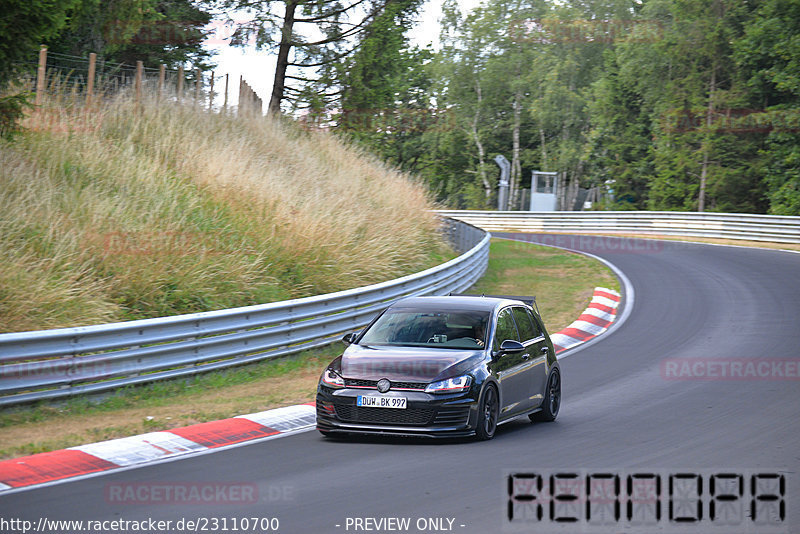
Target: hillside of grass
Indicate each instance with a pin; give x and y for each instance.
(124, 212)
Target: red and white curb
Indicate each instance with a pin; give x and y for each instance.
(83, 460)
(595, 320)
(145, 448)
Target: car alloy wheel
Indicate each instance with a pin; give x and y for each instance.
(487, 417)
(552, 403)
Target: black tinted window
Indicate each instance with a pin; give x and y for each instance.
(505, 328)
(536, 324)
(444, 329)
(524, 324)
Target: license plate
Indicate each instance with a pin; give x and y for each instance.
(381, 402)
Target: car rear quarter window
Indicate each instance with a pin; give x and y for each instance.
(524, 324)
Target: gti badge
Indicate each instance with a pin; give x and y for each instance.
(384, 385)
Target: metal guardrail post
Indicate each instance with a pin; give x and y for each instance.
(502, 186)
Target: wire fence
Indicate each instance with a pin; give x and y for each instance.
(93, 79)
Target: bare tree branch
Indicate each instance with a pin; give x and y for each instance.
(330, 13)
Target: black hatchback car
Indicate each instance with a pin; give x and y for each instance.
(442, 367)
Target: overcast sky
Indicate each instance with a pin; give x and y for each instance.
(258, 67)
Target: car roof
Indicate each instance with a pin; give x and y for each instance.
(455, 302)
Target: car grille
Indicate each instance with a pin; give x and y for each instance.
(358, 383)
(351, 413)
(452, 416)
(359, 414)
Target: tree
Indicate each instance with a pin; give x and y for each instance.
(384, 102)
(173, 37)
(664, 105)
(768, 55)
(25, 25)
(471, 93)
(339, 24)
(156, 32)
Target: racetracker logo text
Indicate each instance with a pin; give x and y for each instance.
(189, 493)
(730, 369)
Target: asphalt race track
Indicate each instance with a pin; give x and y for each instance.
(625, 410)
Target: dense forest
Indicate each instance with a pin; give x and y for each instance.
(657, 104)
(672, 104)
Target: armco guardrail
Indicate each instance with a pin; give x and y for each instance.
(51, 364)
(774, 228)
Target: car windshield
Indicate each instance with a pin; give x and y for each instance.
(425, 328)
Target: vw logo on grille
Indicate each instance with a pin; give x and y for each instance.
(384, 385)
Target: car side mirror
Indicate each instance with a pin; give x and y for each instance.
(510, 346)
(350, 338)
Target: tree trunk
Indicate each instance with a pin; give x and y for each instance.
(487, 187)
(283, 59)
(544, 150)
(712, 86)
(516, 169)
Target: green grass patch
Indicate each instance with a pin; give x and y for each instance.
(561, 281)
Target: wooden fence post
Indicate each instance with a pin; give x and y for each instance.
(211, 92)
(196, 85)
(180, 83)
(241, 96)
(138, 83)
(225, 103)
(90, 80)
(41, 83)
(162, 75)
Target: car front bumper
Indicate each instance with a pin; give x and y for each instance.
(425, 414)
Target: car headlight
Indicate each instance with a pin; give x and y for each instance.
(451, 385)
(332, 379)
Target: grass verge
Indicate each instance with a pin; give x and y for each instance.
(561, 281)
(124, 212)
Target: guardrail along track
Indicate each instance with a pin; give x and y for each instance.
(51, 364)
(775, 228)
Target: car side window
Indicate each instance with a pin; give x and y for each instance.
(524, 324)
(505, 328)
(537, 324)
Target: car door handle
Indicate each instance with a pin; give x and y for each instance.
(526, 356)
(544, 350)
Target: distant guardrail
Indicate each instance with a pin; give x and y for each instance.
(52, 364)
(775, 228)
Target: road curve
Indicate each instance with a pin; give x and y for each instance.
(621, 411)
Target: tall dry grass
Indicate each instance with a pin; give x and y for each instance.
(127, 211)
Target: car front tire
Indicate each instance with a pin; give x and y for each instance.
(488, 412)
(551, 403)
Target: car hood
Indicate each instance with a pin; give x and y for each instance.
(406, 364)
